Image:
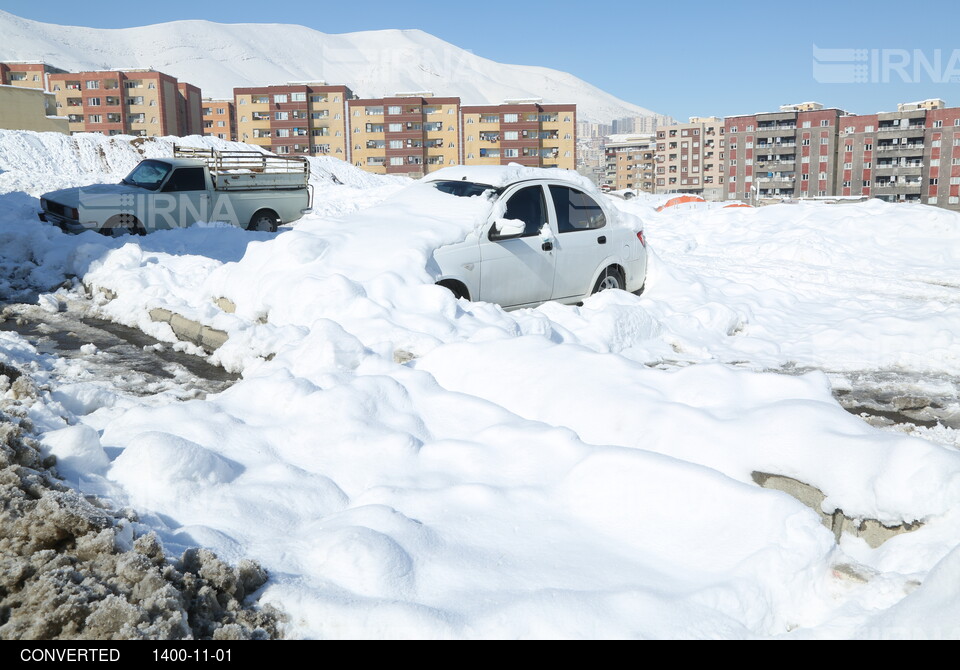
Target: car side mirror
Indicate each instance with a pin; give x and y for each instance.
(504, 229)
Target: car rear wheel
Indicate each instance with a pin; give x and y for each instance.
(612, 277)
(265, 220)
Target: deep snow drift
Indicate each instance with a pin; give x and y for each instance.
(408, 465)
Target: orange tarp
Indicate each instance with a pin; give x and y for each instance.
(680, 200)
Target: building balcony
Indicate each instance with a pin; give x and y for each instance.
(898, 185)
(911, 126)
(776, 180)
(913, 146)
(907, 168)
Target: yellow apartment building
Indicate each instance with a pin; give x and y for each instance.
(526, 132)
(294, 119)
(411, 134)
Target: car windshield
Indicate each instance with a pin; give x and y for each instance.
(463, 189)
(149, 175)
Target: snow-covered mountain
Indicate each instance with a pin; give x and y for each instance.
(217, 57)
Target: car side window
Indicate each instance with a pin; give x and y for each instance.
(526, 205)
(576, 210)
(186, 179)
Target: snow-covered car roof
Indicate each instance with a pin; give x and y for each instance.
(499, 176)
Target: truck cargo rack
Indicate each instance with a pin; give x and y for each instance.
(249, 169)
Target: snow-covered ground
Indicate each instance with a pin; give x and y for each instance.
(408, 465)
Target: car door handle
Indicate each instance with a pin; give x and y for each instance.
(547, 245)
(602, 239)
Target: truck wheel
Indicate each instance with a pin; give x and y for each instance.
(123, 224)
(265, 220)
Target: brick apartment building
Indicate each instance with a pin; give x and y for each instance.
(787, 154)
(27, 74)
(631, 162)
(806, 151)
(690, 158)
(220, 118)
(408, 134)
(127, 102)
(294, 119)
(911, 155)
(525, 132)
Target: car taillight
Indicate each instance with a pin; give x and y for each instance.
(640, 237)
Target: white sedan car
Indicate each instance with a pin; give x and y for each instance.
(545, 239)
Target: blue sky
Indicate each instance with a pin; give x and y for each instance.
(682, 59)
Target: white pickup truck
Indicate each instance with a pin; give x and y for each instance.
(249, 189)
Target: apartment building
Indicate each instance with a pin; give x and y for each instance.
(690, 158)
(189, 109)
(525, 132)
(27, 74)
(29, 108)
(220, 118)
(127, 102)
(787, 154)
(308, 118)
(410, 134)
(911, 155)
(631, 162)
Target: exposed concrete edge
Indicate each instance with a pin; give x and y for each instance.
(871, 531)
(187, 330)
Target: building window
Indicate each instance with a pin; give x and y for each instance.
(93, 102)
(824, 123)
(280, 98)
(938, 124)
(296, 97)
(93, 84)
(95, 118)
(281, 116)
(394, 109)
(510, 118)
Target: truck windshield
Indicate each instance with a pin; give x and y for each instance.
(149, 175)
